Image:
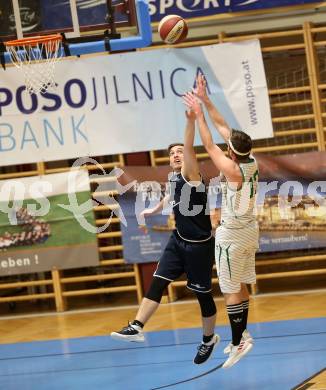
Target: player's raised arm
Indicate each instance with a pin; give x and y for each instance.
(225, 165)
(190, 168)
(158, 208)
(219, 122)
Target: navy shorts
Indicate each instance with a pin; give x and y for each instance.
(195, 259)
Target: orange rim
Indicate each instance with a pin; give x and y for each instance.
(34, 41)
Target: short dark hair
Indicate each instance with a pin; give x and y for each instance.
(241, 142)
(173, 145)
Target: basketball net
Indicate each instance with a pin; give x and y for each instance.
(36, 57)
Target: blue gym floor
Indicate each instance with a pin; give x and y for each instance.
(285, 354)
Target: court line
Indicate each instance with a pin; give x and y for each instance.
(151, 363)
(299, 386)
(190, 379)
(92, 368)
(143, 347)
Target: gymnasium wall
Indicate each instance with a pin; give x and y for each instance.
(294, 60)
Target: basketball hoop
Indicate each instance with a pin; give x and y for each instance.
(36, 57)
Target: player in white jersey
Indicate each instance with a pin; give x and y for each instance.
(237, 236)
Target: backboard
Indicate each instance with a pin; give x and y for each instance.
(85, 23)
(23, 18)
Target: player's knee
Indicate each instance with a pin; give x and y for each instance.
(207, 304)
(156, 289)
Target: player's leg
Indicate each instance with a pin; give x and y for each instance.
(240, 345)
(230, 262)
(245, 304)
(245, 307)
(208, 314)
(134, 330)
(169, 268)
(233, 303)
(229, 272)
(210, 339)
(199, 275)
(249, 277)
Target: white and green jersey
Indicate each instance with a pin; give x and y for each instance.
(238, 206)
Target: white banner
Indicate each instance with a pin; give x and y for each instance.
(129, 102)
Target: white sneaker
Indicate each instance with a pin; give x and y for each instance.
(227, 349)
(129, 333)
(237, 352)
(245, 335)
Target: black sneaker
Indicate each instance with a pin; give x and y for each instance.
(129, 333)
(205, 350)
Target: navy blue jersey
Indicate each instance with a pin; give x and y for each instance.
(189, 206)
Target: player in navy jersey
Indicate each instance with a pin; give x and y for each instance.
(190, 249)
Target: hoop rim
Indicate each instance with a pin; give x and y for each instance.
(33, 41)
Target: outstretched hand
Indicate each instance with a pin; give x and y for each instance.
(146, 212)
(200, 90)
(192, 103)
(142, 215)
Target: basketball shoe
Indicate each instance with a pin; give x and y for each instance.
(205, 350)
(129, 333)
(245, 335)
(237, 352)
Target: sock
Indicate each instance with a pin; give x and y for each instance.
(138, 323)
(245, 307)
(207, 339)
(235, 317)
